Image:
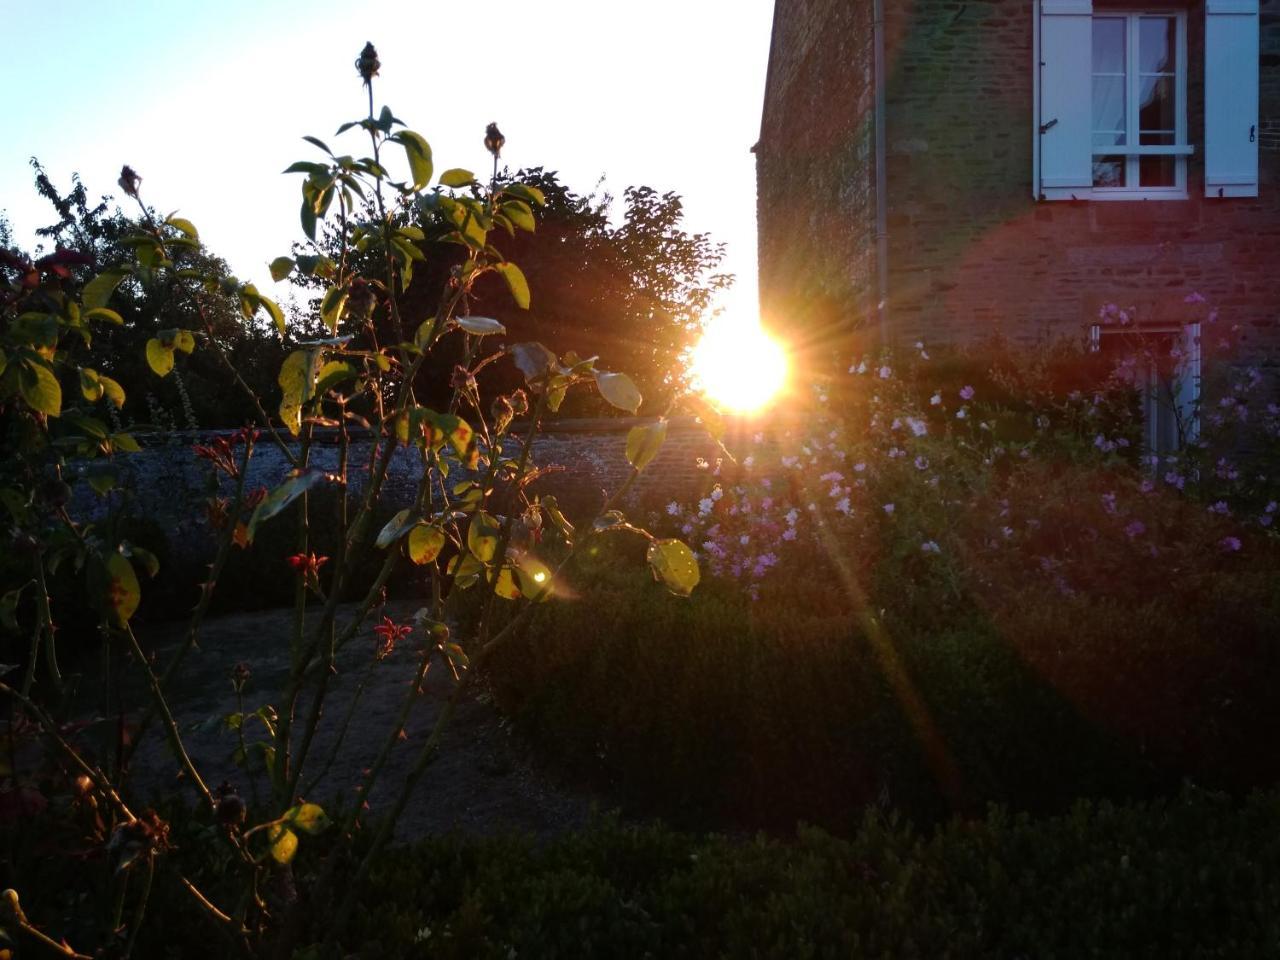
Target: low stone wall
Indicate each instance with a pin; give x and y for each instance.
(168, 483)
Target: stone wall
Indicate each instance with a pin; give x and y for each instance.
(971, 251)
(169, 484)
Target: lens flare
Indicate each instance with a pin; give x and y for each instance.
(738, 365)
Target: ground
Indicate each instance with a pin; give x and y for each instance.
(481, 782)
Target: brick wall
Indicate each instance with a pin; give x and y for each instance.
(815, 174)
(971, 253)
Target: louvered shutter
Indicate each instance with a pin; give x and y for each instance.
(1231, 98)
(1066, 99)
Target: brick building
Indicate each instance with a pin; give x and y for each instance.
(1137, 163)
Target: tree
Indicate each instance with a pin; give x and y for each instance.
(98, 233)
(634, 293)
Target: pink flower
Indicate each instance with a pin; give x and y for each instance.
(1230, 544)
(966, 393)
(1135, 529)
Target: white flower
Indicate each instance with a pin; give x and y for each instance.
(842, 505)
(888, 508)
(930, 547)
(961, 413)
(705, 505)
(935, 400)
(918, 427)
(717, 493)
(885, 373)
(673, 509)
(792, 516)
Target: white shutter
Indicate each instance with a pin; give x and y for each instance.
(1231, 98)
(1066, 97)
(1187, 386)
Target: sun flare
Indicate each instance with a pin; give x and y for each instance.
(738, 365)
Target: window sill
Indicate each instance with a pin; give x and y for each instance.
(1111, 196)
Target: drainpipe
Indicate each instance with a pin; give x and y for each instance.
(882, 200)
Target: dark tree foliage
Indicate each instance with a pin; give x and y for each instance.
(98, 230)
(632, 292)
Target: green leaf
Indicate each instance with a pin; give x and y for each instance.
(308, 216)
(274, 311)
(333, 373)
(310, 818)
(91, 385)
(317, 142)
(516, 282)
(395, 528)
(552, 508)
(534, 578)
(293, 487)
(309, 167)
(526, 192)
(39, 387)
(480, 326)
(102, 313)
(125, 442)
(644, 442)
(418, 153)
(98, 291)
(674, 565)
(457, 177)
(483, 534)
(183, 225)
(112, 390)
(520, 214)
(281, 267)
(159, 357)
(425, 543)
(284, 843)
(123, 592)
(296, 379)
(335, 299)
(618, 389)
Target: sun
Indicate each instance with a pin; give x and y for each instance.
(738, 365)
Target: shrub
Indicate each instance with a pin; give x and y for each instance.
(1195, 876)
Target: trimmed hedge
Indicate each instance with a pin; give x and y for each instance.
(1195, 876)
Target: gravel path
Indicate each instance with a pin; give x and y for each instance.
(480, 783)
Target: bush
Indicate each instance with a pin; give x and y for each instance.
(945, 595)
(1197, 876)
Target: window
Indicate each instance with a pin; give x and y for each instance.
(1139, 107)
(1162, 362)
(1110, 101)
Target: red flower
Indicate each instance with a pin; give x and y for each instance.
(389, 633)
(308, 564)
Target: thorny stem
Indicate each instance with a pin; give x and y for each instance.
(141, 910)
(202, 605)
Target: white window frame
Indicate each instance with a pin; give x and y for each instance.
(1134, 150)
(1184, 398)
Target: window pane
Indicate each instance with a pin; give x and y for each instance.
(1156, 103)
(1108, 104)
(1110, 138)
(1108, 45)
(1108, 171)
(1155, 45)
(1156, 171)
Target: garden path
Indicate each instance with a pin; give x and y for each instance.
(482, 782)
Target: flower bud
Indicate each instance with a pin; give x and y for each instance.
(129, 181)
(367, 63)
(494, 140)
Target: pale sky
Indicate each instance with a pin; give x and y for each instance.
(208, 102)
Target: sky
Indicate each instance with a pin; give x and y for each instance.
(209, 101)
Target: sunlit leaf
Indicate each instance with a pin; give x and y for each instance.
(674, 565)
(526, 192)
(644, 442)
(274, 311)
(123, 592)
(281, 267)
(91, 384)
(505, 586)
(104, 313)
(159, 357)
(520, 214)
(480, 326)
(618, 389)
(516, 282)
(184, 225)
(457, 177)
(394, 529)
(534, 578)
(39, 387)
(418, 153)
(98, 291)
(112, 390)
(483, 534)
(335, 299)
(284, 843)
(425, 543)
(309, 818)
